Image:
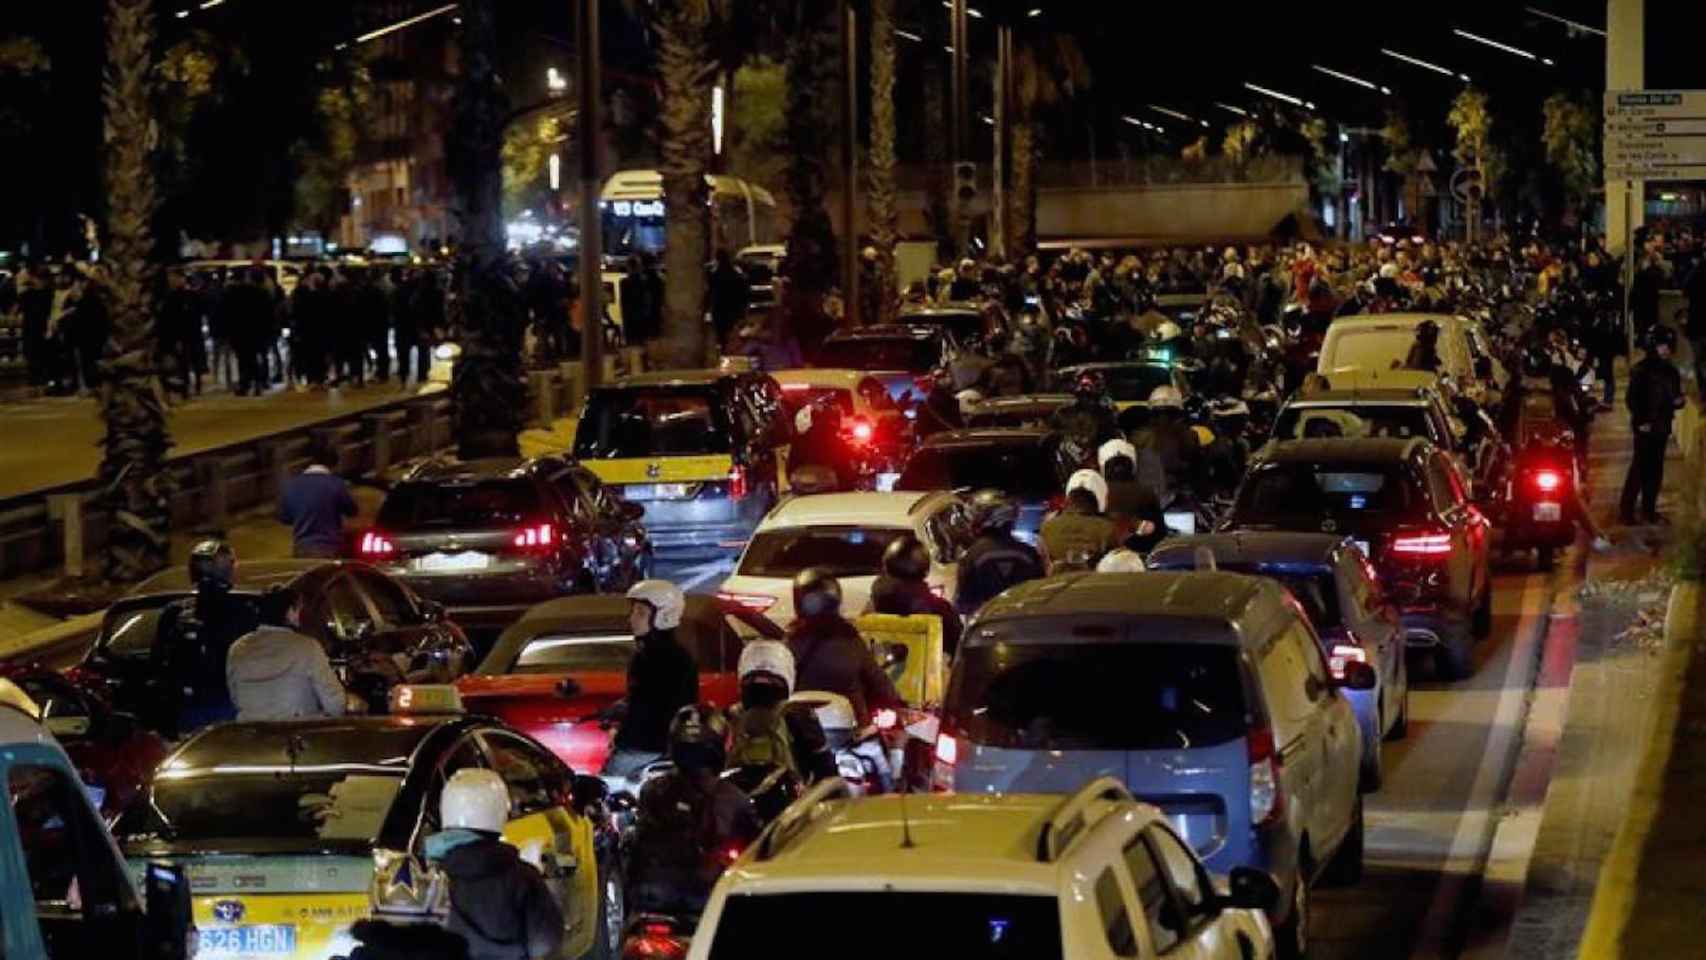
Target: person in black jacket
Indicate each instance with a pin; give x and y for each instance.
(1655, 394)
(996, 560)
(662, 677)
(829, 653)
(901, 588)
(193, 641)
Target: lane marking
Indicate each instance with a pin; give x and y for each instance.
(692, 577)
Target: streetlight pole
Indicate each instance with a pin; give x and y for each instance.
(998, 167)
(958, 31)
(591, 218)
(850, 163)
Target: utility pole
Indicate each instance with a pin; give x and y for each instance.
(998, 168)
(957, 104)
(850, 163)
(591, 217)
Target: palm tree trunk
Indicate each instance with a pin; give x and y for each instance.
(685, 144)
(135, 484)
(1022, 219)
(487, 391)
(935, 155)
(811, 57)
(880, 188)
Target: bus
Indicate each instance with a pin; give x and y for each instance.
(632, 205)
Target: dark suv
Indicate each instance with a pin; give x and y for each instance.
(1405, 503)
(490, 538)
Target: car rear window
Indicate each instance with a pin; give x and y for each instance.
(1279, 491)
(1128, 384)
(1358, 420)
(1098, 696)
(1316, 591)
(973, 926)
(1373, 349)
(487, 503)
(1023, 470)
(268, 804)
(652, 423)
(557, 653)
(843, 551)
(898, 353)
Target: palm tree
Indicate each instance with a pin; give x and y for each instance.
(811, 58)
(1047, 70)
(135, 484)
(880, 186)
(685, 70)
(488, 393)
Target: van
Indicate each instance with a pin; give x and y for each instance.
(1382, 342)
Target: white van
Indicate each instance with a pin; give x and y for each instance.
(1383, 341)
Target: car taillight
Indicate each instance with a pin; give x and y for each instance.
(375, 545)
(947, 756)
(534, 537)
(737, 483)
(1547, 481)
(756, 602)
(1343, 653)
(1266, 800)
(654, 941)
(1422, 544)
(860, 431)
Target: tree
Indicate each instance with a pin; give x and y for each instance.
(1048, 69)
(487, 392)
(881, 198)
(684, 144)
(757, 138)
(528, 146)
(135, 486)
(811, 57)
(326, 159)
(1472, 123)
(1400, 150)
(1239, 143)
(1570, 134)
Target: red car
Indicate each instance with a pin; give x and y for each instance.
(565, 661)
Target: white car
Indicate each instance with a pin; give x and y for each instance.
(1382, 341)
(1093, 875)
(846, 534)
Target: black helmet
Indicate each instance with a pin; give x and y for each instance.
(816, 593)
(906, 558)
(992, 510)
(1661, 335)
(698, 738)
(1536, 362)
(213, 564)
(1427, 331)
(1090, 385)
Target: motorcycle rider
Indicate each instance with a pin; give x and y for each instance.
(818, 443)
(1174, 443)
(768, 730)
(901, 588)
(1655, 394)
(194, 639)
(1134, 505)
(662, 677)
(996, 560)
(1079, 535)
(1089, 420)
(829, 653)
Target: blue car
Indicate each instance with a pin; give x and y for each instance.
(1207, 694)
(1339, 591)
(1025, 463)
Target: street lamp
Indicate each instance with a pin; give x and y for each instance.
(1419, 62)
(1365, 84)
(1496, 45)
(1282, 97)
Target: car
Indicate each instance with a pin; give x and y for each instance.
(902, 356)
(700, 450)
(874, 427)
(1026, 463)
(291, 831)
(1025, 410)
(1205, 693)
(565, 661)
(846, 533)
(490, 538)
(1406, 506)
(114, 754)
(357, 612)
(1095, 874)
(1382, 341)
(968, 321)
(1340, 592)
(65, 890)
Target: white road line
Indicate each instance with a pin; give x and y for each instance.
(692, 577)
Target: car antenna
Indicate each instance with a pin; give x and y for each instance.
(905, 826)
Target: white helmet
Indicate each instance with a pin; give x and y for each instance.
(474, 799)
(666, 600)
(1168, 330)
(1166, 397)
(834, 711)
(1121, 561)
(1115, 448)
(767, 656)
(1092, 481)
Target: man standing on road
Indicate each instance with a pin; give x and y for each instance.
(1655, 394)
(315, 503)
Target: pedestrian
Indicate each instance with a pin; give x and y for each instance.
(314, 503)
(220, 287)
(276, 672)
(35, 305)
(1644, 294)
(1655, 394)
(90, 328)
(179, 329)
(729, 294)
(349, 342)
(310, 313)
(374, 305)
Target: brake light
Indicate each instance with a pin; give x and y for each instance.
(756, 602)
(654, 941)
(535, 536)
(1343, 653)
(861, 431)
(1548, 481)
(1267, 803)
(377, 545)
(737, 483)
(1422, 544)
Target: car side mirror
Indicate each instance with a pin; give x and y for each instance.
(1251, 889)
(630, 511)
(588, 790)
(1359, 676)
(166, 892)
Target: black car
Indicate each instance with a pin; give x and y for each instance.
(902, 356)
(1025, 462)
(377, 631)
(490, 538)
(967, 321)
(1405, 503)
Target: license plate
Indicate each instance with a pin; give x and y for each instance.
(1363, 546)
(657, 491)
(270, 939)
(449, 562)
(1548, 512)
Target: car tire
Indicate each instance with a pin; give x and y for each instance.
(1401, 725)
(1346, 868)
(1371, 772)
(1483, 620)
(1455, 659)
(612, 917)
(1292, 937)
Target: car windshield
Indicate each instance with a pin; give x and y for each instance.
(1097, 696)
(1375, 348)
(1313, 589)
(897, 353)
(1024, 470)
(1353, 420)
(972, 926)
(487, 503)
(1280, 492)
(662, 422)
(348, 804)
(557, 653)
(965, 325)
(1136, 383)
(843, 551)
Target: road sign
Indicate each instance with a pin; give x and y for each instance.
(1655, 134)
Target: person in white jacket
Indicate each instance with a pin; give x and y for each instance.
(277, 673)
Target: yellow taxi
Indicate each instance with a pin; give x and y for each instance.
(292, 831)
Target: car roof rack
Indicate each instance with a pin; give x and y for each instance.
(1069, 820)
(800, 814)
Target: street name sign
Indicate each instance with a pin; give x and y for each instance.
(1655, 134)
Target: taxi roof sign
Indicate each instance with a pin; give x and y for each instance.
(428, 698)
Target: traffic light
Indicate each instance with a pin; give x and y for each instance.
(965, 181)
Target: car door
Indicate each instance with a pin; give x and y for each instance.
(1466, 535)
(1284, 675)
(1192, 895)
(1340, 743)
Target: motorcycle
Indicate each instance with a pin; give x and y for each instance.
(1540, 496)
(861, 755)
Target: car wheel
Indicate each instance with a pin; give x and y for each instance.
(1346, 868)
(1370, 776)
(1293, 935)
(1545, 558)
(1483, 622)
(1455, 659)
(612, 916)
(1401, 725)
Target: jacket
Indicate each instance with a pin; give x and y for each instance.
(1655, 393)
(662, 678)
(1129, 504)
(190, 648)
(1075, 540)
(679, 831)
(830, 655)
(315, 503)
(498, 902)
(907, 598)
(993, 563)
(275, 673)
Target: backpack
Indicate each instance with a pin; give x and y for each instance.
(761, 739)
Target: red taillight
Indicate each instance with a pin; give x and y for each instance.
(654, 941)
(860, 431)
(756, 602)
(1422, 544)
(376, 545)
(1267, 801)
(535, 537)
(1343, 653)
(737, 483)
(1548, 481)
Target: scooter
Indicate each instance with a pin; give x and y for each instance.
(1540, 498)
(861, 755)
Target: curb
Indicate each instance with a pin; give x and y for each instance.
(1614, 893)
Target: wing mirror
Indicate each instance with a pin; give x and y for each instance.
(1359, 676)
(1251, 889)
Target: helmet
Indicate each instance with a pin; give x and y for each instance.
(771, 657)
(1166, 398)
(1112, 449)
(1168, 330)
(1121, 561)
(993, 510)
(1427, 330)
(1092, 481)
(905, 558)
(834, 711)
(1090, 384)
(665, 598)
(1536, 362)
(1661, 335)
(213, 563)
(698, 738)
(817, 593)
(474, 799)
